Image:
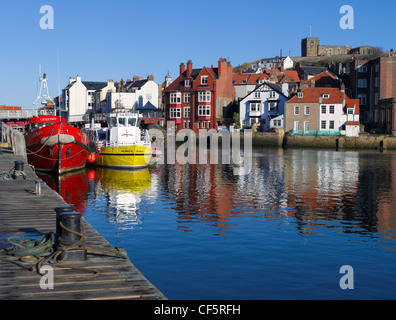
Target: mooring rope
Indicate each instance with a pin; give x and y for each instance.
(49, 249)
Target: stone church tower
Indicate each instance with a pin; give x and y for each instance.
(309, 47)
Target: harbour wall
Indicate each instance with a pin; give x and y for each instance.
(364, 141)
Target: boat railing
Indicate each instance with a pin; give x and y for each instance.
(105, 144)
(26, 114)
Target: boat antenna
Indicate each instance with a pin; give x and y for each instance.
(59, 96)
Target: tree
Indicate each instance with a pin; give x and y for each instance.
(236, 119)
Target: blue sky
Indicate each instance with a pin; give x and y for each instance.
(102, 40)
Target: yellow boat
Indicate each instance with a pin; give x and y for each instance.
(122, 144)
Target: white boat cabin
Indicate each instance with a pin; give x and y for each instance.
(123, 129)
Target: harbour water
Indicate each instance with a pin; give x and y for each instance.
(281, 232)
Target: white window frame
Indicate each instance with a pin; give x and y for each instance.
(204, 96)
(296, 110)
(187, 83)
(326, 95)
(323, 125)
(204, 110)
(175, 98)
(204, 80)
(331, 109)
(296, 125)
(323, 109)
(175, 113)
(272, 94)
(255, 106)
(300, 94)
(186, 97)
(306, 125)
(272, 106)
(331, 125)
(186, 112)
(307, 110)
(257, 94)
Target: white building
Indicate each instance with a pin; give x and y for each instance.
(264, 105)
(139, 94)
(78, 98)
(273, 63)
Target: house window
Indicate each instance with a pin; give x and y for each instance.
(175, 97)
(187, 83)
(300, 94)
(362, 69)
(272, 94)
(204, 80)
(331, 124)
(296, 110)
(376, 98)
(307, 110)
(306, 125)
(272, 106)
(204, 96)
(331, 109)
(186, 112)
(323, 108)
(175, 113)
(296, 125)
(323, 124)
(377, 68)
(362, 83)
(350, 110)
(326, 95)
(186, 97)
(257, 94)
(362, 99)
(254, 106)
(376, 82)
(203, 110)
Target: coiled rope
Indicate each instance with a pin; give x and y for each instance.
(49, 249)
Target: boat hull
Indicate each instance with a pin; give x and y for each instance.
(57, 148)
(127, 157)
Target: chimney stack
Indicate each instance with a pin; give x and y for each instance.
(189, 68)
(150, 77)
(182, 68)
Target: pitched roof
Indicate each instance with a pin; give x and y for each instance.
(324, 78)
(312, 95)
(178, 84)
(248, 78)
(91, 85)
(313, 70)
(353, 103)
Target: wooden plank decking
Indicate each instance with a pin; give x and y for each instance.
(22, 210)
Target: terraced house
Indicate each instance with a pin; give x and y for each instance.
(322, 111)
(198, 98)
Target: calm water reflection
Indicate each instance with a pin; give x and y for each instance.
(282, 231)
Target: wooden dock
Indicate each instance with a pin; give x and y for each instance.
(22, 210)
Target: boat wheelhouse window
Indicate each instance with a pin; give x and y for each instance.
(132, 122)
(122, 122)
(113, 122)
(138, 123)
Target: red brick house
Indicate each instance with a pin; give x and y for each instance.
(197, 99)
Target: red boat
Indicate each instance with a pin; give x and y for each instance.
(52, 145)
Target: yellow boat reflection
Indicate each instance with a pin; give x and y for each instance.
(124, 189)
